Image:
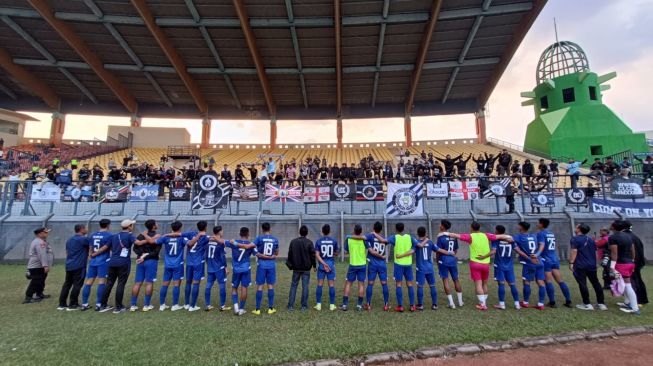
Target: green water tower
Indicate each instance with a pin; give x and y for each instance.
(570, 117)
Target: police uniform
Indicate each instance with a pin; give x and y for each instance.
(40, 257)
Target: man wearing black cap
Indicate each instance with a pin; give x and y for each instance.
(40, 261)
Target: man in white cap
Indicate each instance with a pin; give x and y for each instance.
(119, 265)
(40, 261)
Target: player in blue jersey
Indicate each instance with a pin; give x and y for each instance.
(533, 268)
(242, 249)
(376, 265)
(173, 245)
(403, 248)
(267, 247)
(551, 263)
(448, 264)
(147, 263)
(216, 266)
(195, 259)
(504, 269)
(424, 272)
(97, 267)
(326, 249)
(194, 264)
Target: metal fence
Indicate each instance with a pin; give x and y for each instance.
(17, 200)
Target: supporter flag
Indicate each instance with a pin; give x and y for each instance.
(77, 194)
(369, 192)
(317, 194)
(283, 193)
(626, 188)
(539, 199)
(245, 193)
(46, 192)
(496, 189)
(147, 193)
(342, 192)
(111, 193)
(210, 194)
(437, 190)
(405, 200)
(575, 196)
(464, 190)
(179, 194)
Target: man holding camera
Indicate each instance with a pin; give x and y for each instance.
(40, 261)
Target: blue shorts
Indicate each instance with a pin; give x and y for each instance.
(243, 279)
(146, 271)
(266, 275)
(97, 271)
(403, 272)
(173, 274)
(322, 274)
(504, 275)
(444, 271)
(374, 270)
(533, 272)
(423, 277)
(356, 273)
(549, 266)
(219, 276)
(194, 273)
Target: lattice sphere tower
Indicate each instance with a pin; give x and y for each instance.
(561, 58)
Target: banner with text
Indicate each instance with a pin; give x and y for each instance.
(630, 209)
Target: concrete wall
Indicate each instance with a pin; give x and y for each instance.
(153, 136)
(16, 232)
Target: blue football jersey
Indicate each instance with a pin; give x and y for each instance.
(327, 247)
(196, 254)
(240, 256)
(424, 257)
(215, 256)
(371, 241)
(174, 247)
(503, 258)
(450, 245)
(528, 244)
(99, 240)
(550, 254)
(266, 245)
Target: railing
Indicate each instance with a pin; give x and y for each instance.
(28, 198)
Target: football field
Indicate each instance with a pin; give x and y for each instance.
(39, 334)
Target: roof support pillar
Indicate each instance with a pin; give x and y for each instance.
(206, 132)
(338, 26)
(57, 129)
(408, 133)
(273, 132)
(135, 121)
(339, 132)
(480, 126)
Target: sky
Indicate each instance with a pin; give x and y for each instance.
(615, 35)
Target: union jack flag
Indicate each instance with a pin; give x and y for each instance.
(283, 193)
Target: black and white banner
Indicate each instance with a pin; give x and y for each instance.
(539, 199)
(405, 200)
(343, 192)
(245, 193)
(210, 193)
(496, 189)
(625, 188)
(575, 196)
(46, 192)
(180, 194)
(369, 192)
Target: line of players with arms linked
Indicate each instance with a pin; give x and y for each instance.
(188, 254)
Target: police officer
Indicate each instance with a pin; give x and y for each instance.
(40, 261)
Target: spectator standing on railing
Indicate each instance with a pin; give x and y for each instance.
(449, 164)
(504, 159)
(610, 167)
(461, 165)
(84, 173)
(225, 174)
(528, 170)
(597, 167)
(51, 173)
(253, 173)
(647, 167)
(481, 165)
(573, 168)
(543, 170)
(239, 175)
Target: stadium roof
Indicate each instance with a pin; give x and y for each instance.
(257, 58)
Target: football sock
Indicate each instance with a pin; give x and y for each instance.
(332, 295)
(386, 293)
(551, 291)
(434, 295)
(527, 292)
(502, 292)
(270, 298)
(565, 291)
(162, 295)
(411, 295)
(99, 293)
(318, 294)
(86, 293)
(368, 293)
(400, 296)
(420, 295)
(175, 295)
(194, 294)
(514, 292)
(259, 298)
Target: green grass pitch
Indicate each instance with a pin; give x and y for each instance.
(39, 334)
